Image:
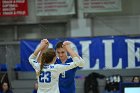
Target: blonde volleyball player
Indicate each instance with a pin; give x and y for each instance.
(47, 72)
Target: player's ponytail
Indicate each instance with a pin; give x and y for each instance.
(42, 61)
(47, 57)
(41, 64)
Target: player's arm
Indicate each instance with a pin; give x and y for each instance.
(73, 54)
(67, 47)
(77, 60)
(33, 56)
(64, 67)
(40, 54)
(42, 45)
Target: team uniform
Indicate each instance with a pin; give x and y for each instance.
(49, 76)
(66, 79)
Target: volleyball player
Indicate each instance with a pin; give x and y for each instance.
(47, 72)
(66, 79)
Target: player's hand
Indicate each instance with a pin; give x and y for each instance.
(66, 45)
(44, 43)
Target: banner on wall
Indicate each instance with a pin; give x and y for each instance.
(118, 52)
(55, 7)
(13, 8)
(95, 6)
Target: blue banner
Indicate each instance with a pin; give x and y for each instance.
(108, 52)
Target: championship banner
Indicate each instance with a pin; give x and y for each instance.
(95, 6)
(55, 7)
(13, 8)
(109, 52)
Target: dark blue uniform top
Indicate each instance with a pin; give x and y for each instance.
(66, 79)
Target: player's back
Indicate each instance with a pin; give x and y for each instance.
(48, 79)
(49, 75)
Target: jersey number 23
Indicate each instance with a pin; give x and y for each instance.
(45, 77)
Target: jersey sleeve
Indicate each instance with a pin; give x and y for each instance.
(81, 63)
(34, 63)
(64, 67)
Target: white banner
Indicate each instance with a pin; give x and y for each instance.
(55, 7)
(95, 6)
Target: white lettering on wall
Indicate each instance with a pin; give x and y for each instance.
(97, 64)
(119, 64)
(138, 54)
(108, 53)
(132, 54)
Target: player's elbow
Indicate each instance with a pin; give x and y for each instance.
(31, 58)
(81, 63)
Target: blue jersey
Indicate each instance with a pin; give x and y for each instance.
(66, 79)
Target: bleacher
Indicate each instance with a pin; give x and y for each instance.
(24, 80)
(24, 83)
(3, 67)
(3, 71)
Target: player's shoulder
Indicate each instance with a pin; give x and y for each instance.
(58, 66)
(61, 65)
(69, 59)
(58, 61)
